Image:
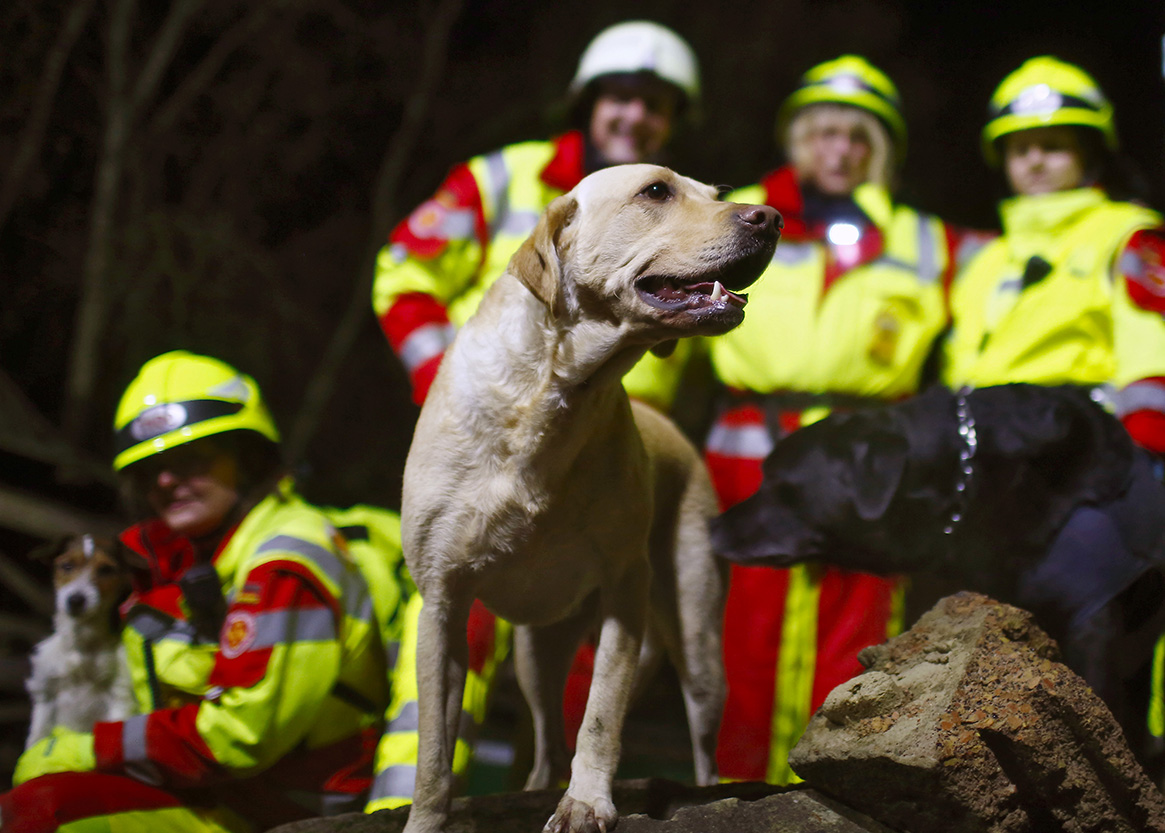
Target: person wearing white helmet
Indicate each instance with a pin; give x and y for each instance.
(844, 317)
(635, 83)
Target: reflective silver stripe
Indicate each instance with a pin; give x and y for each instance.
(499, 174)
(322, 557)
(793, 253)
(1009, 285)
(970, 246)
(750, 442)
(1132, 265)
(326, 804)
(519, 223)
(278, 627)
(458, 225)
(408, 720)
(1141, 396)
(153, 626)
(395, 782)
(360, 606)
(133, 738)
(928, 270)
(424, 343)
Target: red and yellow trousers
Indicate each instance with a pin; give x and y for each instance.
(790, 635)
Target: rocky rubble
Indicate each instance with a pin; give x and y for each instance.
(966, 723)
(650, 805)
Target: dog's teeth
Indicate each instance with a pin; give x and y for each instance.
(717, 291)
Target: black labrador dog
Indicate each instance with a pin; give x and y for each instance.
(1032, 495)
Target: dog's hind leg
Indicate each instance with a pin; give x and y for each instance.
(542, 659)
(440, 688)
(587, 806)
(700, 666)
(697, 654)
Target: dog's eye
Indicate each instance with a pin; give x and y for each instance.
(722, 192)
(658, 191)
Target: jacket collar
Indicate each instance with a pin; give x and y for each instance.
(568, 165)
(1043, 213)
(867, 215)
(870, 202)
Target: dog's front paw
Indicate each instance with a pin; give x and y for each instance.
(573, 816)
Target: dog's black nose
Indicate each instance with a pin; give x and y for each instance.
(75, 604)
(761, 216)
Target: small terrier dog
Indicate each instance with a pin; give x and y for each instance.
(79, 674)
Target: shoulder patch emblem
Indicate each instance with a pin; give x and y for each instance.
(238, 633)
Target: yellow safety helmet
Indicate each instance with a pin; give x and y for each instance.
(854, 81)
(1046, 91)
(639, 46)
(179, 397)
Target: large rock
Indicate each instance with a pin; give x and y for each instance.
(968, 722)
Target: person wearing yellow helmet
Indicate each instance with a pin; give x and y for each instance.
(242, 585)
(844, 317)
(1072, 292)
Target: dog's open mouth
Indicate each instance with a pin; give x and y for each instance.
(718, 288)
(674, 293)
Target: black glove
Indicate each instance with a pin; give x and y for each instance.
(203, 594)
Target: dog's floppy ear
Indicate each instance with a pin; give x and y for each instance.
(879, 462)
(537, 263)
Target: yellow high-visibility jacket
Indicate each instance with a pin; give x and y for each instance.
(1072, 320)
(442, 258)
(857, 318)
(281, 714)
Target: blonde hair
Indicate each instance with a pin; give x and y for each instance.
(815, 117)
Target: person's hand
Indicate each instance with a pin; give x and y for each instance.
(64, 750)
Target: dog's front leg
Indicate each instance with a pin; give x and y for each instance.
(441, 641)
(587, 806)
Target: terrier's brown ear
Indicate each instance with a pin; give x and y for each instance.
(537, 263)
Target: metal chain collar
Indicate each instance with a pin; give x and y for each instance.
(967, 449)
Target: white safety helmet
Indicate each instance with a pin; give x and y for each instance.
(640, 46)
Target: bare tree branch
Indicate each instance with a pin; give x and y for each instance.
(94, 296)
(320, 387)
(30, 589)
(123, 107)
(197, 80)
(32, 135)
(165, 45)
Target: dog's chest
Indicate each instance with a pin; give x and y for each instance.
(541, 550)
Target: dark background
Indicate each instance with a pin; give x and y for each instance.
(216, 175)
(244, 210)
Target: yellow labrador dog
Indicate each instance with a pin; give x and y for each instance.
(534, 484)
